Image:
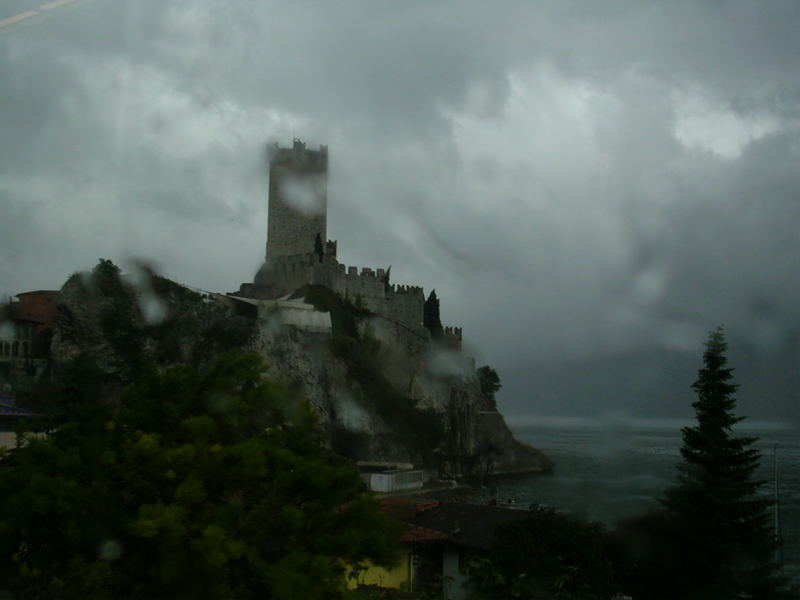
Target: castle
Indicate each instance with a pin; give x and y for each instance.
(298, 252)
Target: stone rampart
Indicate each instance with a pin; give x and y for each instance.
(285, 274)
(452, 338)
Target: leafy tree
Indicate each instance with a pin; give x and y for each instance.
(198, 485)
(489, 382)
(716, 497)
(430, 316)
(546, 556)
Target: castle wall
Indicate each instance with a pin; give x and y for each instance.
(282, 275)
(452, 338)
(364, 284)
(407, 304)
(403, 304)
(297, 215)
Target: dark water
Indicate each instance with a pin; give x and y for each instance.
(609, 469)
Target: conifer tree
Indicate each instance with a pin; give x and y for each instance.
(318, 250)
(490, 384)
(430, 317)
(716, 500)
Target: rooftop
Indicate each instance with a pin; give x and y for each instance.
(468, 525)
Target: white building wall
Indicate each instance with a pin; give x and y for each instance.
(394, 482)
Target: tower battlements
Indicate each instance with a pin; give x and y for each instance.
(452, 338)
(298, 156)
(413, 290)
(330, 248)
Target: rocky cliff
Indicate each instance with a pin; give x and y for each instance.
(383, 392)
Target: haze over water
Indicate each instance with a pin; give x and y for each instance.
(608, 469)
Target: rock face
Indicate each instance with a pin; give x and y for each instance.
(383, 392)
(119, 324)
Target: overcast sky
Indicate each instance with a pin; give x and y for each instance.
(590, 187)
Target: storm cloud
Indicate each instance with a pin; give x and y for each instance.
(589, 187)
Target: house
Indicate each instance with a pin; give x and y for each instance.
(28, 325)
(470, 529)
(405, 575)
(437, 543)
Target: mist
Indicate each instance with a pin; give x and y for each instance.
(589, 190)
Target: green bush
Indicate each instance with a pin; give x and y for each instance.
(547, 555)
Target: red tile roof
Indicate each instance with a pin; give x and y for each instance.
(415, 533)
(468, 525)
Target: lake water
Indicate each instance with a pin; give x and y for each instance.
(610, 469)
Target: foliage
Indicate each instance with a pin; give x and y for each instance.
(352, 444)
(547, 555)
(489, 382)
(658, 558)
(166, 288)
(119, 313)
(344, 314)
(716, 497)
(204, 329)
(219, 336)
(430, 317)
(200, 485)
(420, 430)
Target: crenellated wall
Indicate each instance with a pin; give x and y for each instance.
(395, 302)
(452, 338)
(297, 220)
(407, 304)
(285, 274)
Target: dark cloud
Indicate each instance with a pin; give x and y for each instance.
(584, 185)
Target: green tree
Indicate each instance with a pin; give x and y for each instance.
(717, 496)
(430, 317)
(197, 485)
(546, 556)
(489, 382)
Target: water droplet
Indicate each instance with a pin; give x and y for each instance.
(110, 550)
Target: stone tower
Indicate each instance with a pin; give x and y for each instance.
(298, 211)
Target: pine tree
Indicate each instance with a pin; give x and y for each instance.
(318, 250)
(490, 384)
(716, 499)
(430, 317)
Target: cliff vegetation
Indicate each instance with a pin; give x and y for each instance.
(381, 391)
